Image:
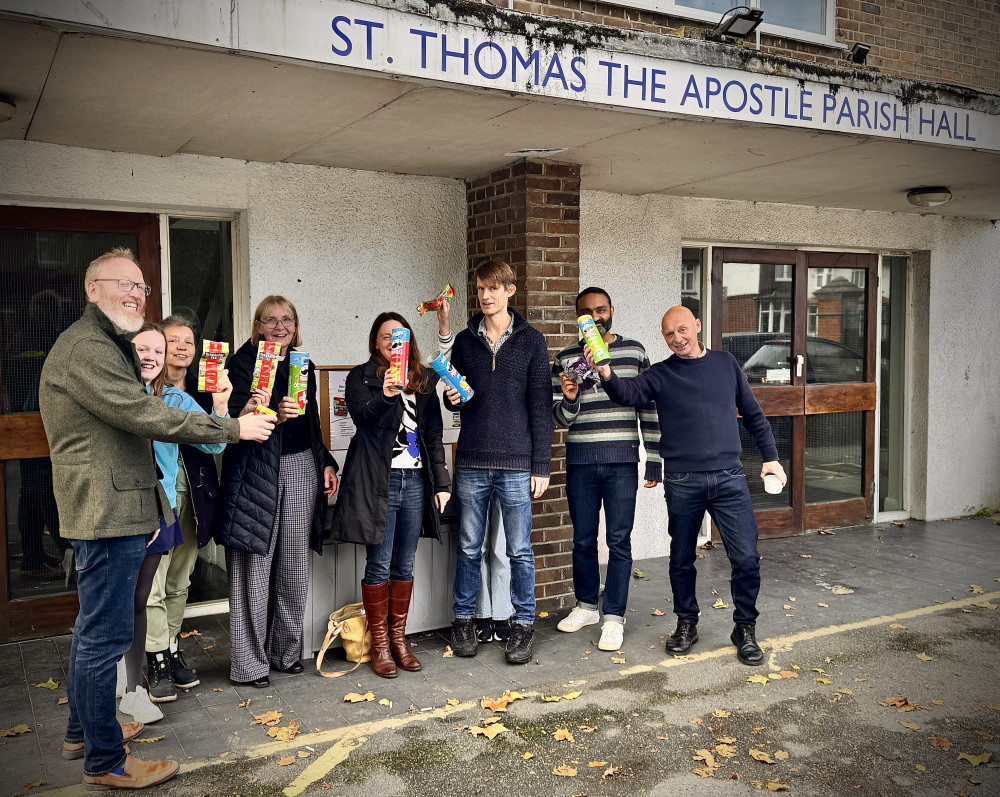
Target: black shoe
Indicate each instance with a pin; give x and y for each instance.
(519, 644)
(160, 677)
(260, 683)
(295, 669)
(501, 630)
(484, 629)
(183, 677)
(684, 636)
(463, 637)
(747, 649)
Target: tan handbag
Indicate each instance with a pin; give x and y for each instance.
(350, 624)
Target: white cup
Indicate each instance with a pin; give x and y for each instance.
(772, 484)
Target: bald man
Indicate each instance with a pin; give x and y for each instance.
(698, 394)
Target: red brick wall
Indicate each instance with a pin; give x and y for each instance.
(950, 41)
(528, 213)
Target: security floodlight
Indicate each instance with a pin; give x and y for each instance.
(929, 197)
(7, 109)
(738, 23)
(858, 53)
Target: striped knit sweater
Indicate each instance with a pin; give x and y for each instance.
(600, 431)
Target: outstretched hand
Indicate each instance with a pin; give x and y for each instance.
(603, 371)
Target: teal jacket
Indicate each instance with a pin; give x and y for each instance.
(168, 453)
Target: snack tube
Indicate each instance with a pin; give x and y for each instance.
(592, 337)
(260, 409)
(298, 378)
(213, 360)
(445, 296)
(266, 367)
(451, 377)
(399, 356)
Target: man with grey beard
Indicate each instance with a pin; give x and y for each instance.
(100, 421)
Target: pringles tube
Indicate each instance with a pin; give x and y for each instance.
(298, 378)
(266, 367)
(213, 360)
(451, 377)
(592, 337)
(445, 296)
(399, 356)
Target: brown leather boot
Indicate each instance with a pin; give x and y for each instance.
(376, 600)
(399, 607)
(138, 774)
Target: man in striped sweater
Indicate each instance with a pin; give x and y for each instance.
(602, 456)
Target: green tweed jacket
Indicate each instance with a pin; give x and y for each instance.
(100, 424)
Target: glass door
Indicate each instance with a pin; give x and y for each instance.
(797, 323)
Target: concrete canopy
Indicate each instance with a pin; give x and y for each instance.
(82, 89)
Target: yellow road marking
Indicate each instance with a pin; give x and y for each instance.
(322, 765)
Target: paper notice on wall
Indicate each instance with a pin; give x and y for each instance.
(341, 426)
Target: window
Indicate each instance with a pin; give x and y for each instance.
(775, 316)
(783, 273)
(691, 269)
(812, 320)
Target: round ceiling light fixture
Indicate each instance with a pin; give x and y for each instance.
(7, 109)
(929, 197)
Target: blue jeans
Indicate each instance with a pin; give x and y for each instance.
(726, 497)
(106, 572)
(586, 487)
(475, 488)
(403, 518)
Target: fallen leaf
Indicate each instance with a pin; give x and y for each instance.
(267, 718)
(526, 756)
(788, 674)
(805, 556)
(572, 695)
(993, 706)
(975, 760)
(193, 632)
(490, 731)
(787, 606)
(708, 757)
(921, 767)
(62, 701)
(902, 704)
(32, 784)
(453, 701)
(563, 735)
(286, 760)
(565, 770)
(726, 739)
(384, 702)
(826, 531)
(223, 755)
(845, 691)
(840, 589)
(937, 702)
(218, 689)
(757, 679)
(986, 605)
(773, 785)
(725, 750)
(925, 657)
(304, 754)
(975, 588)
(49, 684)
(760, 755)
(591, 729)
(637, 573)
(720, 713)
(939, 741)
(593, 764)
(618, 659)
(824, 605)
(823, 680)
(657, 613)
(781, 755)
(448, 652)
(697, 720)
(208, 647)
(148, 739)
(285, 734)
(491, 720)
(720, 604)
(552, 699)
(244, 704)
(911, 725)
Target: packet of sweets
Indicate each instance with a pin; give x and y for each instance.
(399, 356)
(260, 409)
(266, 367)
(298, 378)
(451, 377)
(592, 337)
(213, 360)
(445, 296)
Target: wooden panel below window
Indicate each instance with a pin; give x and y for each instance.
(22, 436)
(840, 398)
(40, 617)
(779, 400)
(835, 513)
(771, 523)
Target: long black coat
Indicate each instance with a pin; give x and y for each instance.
(250, 469)
(363, 495)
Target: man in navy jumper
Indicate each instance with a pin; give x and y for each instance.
(504, 449)
(698, 393)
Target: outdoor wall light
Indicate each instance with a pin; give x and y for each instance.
(858, 54)
(929, 197)
(7, 109)
(738, 22)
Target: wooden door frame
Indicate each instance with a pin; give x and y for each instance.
(22, 435)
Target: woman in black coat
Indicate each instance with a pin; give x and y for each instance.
(271, 513)
(395, 485)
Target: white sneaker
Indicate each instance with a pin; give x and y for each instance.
(612, 634)
(578, 618)
(122, 686)
(138, 706)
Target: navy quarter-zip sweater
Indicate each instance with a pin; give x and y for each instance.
(507, 424)
(697, 401)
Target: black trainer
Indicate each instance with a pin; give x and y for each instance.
(684, 636)
(519, 645)
(160, 677)
(183, 677)
(463, 637)
(747, 649)
(501, 630)
(484, 629)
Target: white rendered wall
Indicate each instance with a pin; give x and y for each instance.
(623, 237)
(343, 245)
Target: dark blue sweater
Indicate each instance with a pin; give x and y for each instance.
(508, 423)
(697, 401)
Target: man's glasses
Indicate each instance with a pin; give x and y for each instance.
(126, 286)
(285, 321)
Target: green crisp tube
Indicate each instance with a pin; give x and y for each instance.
(298, 378)
(592, 337)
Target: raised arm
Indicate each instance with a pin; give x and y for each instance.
(366, 409)
(649, 428)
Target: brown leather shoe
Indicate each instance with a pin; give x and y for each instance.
(376, 600)
(73, 750)
(399, 607)
(138, 774)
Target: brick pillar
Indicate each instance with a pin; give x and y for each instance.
(528, 213)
